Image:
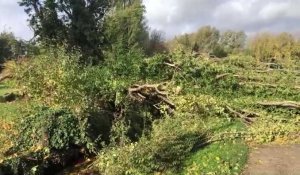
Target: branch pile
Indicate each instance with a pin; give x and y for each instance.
(154, 94)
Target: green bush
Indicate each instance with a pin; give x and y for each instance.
(54, 129)
(171, 140)
(49, 138)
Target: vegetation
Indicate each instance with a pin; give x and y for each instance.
(150, 107)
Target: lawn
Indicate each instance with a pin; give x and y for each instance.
(8, 114)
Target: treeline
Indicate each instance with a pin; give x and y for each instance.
(211, 41)
(262, 46)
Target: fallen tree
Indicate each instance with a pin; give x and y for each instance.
(247, 117)
(5, 76)
(281, 104)
(258, 84)
(153, 94)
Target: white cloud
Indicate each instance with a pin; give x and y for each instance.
(248, 15)
(179, 16)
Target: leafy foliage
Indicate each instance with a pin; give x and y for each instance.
(170, 141)
(51, 129)
(50, 139)
(78, 24)
(280, 48)
(125, 26)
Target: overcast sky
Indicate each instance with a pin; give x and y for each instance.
(181, 16)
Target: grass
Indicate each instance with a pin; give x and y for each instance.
(224, 157)
(8, 111)
(8, 114)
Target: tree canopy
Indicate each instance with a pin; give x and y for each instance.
(78, 24)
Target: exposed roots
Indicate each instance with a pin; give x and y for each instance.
(154, 94)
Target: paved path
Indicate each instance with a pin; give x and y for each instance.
(274, 160)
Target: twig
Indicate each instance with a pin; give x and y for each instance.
(218, 77)
(222, 75)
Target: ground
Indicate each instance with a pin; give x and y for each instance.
(274, 160)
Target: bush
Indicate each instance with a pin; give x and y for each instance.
(48, 137)
(171, 140)
(54, 129)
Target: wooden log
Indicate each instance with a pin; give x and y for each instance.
(281, 104)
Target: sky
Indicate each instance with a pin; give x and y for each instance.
(175, 17)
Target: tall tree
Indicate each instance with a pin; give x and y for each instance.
(125, 25)
(78, 24)
(6, 40)
(233, 41)
(207, 39)
(156, 42)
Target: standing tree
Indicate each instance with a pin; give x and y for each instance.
(207, 39)
(233, 41)
(184, 41)
(125, 25)
(77, 24)
(156, 43)
(6, 40)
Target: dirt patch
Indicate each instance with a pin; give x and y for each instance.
(274, 160)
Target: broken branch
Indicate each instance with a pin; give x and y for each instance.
(246, 116)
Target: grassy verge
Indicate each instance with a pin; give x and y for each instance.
(224, 157)
(8, 114)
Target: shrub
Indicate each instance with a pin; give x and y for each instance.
(170, 141)
(48, 137)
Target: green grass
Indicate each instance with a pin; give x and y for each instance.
(4, 89)
(224, 157)
(220, 157)
(9, 112)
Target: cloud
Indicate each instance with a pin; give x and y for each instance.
(183, 16)
(14, 19)
(178, 16)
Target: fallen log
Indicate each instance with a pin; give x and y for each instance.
(218, 77)
(4, 77)
(279, 70)
(257, 84)
(246, 117)
(222, 76)
(283, 104)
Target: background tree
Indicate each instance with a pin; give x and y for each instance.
(281, 48)
(184, 41)
(156, 43)
(207, 39)
(233, 41)
(76, 23)
(6, 40)
(125, 26)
